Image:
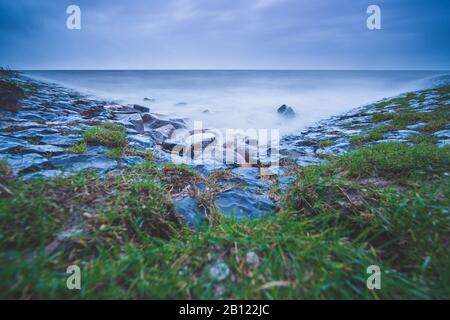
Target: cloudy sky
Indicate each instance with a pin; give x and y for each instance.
(225, 34)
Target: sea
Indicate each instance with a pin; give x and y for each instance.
(243, 99)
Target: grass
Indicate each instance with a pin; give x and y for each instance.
(107, 134)
(326, 143)
(78, 148)
(384, 204)
(372, 135)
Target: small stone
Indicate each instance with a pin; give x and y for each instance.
(252, 258)
(219, 271)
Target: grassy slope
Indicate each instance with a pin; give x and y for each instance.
(336, 221)
(385, 204)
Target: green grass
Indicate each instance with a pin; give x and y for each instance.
(115, 153)
(372, 135)
(78, 148)
(107, 134)
(326, 143)
(384, 205)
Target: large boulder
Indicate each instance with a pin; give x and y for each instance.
(10, 96)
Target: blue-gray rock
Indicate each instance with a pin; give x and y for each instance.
(24, 162)
(250, 176)
(241, 204)
(400, 134)
(130, 161)
(286, 111)
(443, 134)
(141, 140)
(44, 148)
(190, 210)
(42, 174)
(8, 143)
(74, 163)
(417, 126)
(141, 108)
(443, 143)
(60, 140)
(308, 161)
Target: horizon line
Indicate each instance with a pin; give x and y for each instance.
(250, 69)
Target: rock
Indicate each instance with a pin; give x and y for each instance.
(34, 132)
(205, 111)
(334, 150)
(252, 259)
(44, 148)
(141, 140)
(141, 108)
(198, 142)
(241, 204)
(74, 163)
(308, 161)
(400, 134)
(153, 122)
(42, 174)
(443, 134)
(166, 130)
(24, 162)
(286, 111)
(133, 120)
(208, 167)
(250, 177)
(130, 161)
(180, 104)
(443, 143)
(417, 126)
(169, 144)
(149, 99)
(62, 141)
(8, 143)
(10, 96)
(190, 210)
(219, 271)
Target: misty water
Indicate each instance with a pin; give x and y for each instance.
(243, 99)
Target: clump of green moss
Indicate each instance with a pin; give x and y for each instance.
(326, 143)
(78, 148)
(374, 134)
(108, 134)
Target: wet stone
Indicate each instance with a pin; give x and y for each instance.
(417, 126)
(131, 161)
(74, 163)
(240, 204)
(42, 174)
(60, 140)
(308, 161)
(190, 210)
(20, 163)
(8, 143)
(250, 177)
(443, 134)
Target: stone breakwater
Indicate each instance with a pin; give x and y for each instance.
(36, 142)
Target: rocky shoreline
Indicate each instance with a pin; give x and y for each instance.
(36, 141)
(380, 196)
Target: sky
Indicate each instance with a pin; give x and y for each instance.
(225, 34)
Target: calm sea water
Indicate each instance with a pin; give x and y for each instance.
(244, 99)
